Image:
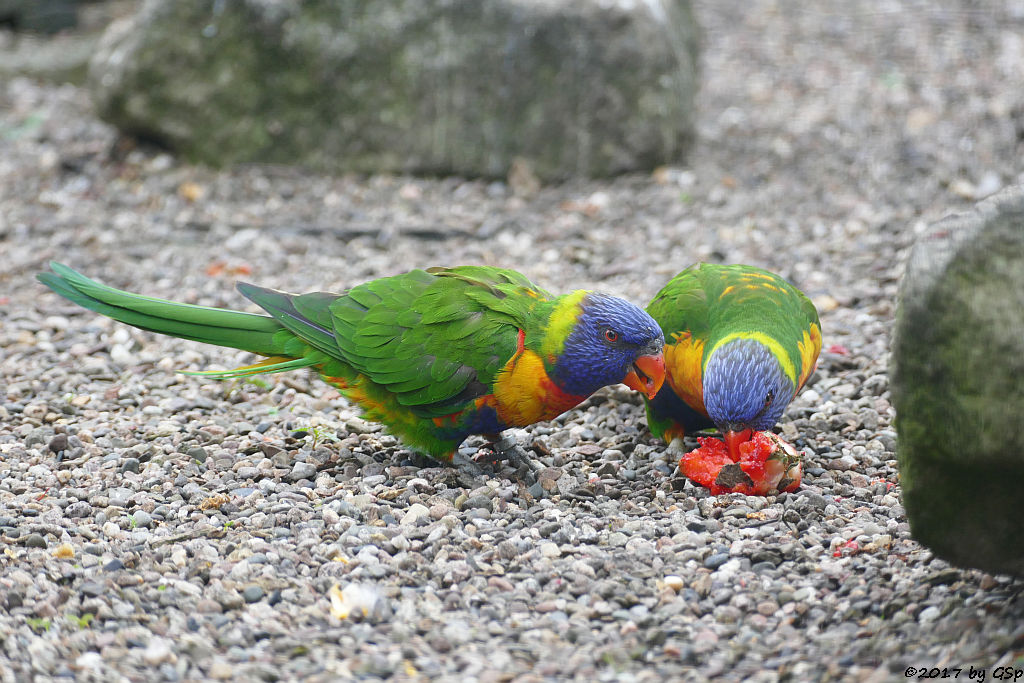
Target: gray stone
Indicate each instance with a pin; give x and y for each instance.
(415, 512)
(559, 87)
(58, 443)
(113, 566)
(958, 385)
(39, 16)
(79, 509)
(35, 541)
(142, 519)
(716, 560)
(37, 436)
(197, 453)
(252, 593)
(478, 502)
(92, 589)
(14, 600)
(302, 470)
(617, 539)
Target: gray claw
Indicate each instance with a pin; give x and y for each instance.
(507, 448)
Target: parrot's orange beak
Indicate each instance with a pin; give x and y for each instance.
(733, 439)
(647, 375)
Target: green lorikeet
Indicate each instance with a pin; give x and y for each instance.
(434, 355)
(739, 343)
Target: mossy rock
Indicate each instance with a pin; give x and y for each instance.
(572, 87)
(39, 16)
(958, 386)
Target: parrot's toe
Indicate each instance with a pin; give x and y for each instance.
(507, 449)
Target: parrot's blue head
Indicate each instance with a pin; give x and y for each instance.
(745, 387)
(611, 341)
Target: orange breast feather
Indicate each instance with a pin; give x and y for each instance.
(683, 357)
(525, 393)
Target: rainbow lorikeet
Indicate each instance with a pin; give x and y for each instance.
(739, 343)
(434, 355)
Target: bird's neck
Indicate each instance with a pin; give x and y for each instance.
(556, 321)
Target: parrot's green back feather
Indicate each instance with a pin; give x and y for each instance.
(436, 338)
(717, 301)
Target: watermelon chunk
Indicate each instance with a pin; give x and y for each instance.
(766, 464)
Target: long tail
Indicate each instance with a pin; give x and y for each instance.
(259, 334)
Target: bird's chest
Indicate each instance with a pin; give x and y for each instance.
(524, 393)
(684, 370)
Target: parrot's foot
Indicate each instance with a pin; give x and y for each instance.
(507, 449)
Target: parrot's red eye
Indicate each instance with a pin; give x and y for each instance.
(611, 335)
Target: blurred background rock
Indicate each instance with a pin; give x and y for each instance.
(54, 39)
(547, 89)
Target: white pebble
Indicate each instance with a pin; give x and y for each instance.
(674, 582)
(158, 651)
(89, 660)
(121, 355)
(550, 549)
(415, 512)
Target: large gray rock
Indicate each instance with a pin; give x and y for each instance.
(39, 16)
(573, 87)
(958, 386)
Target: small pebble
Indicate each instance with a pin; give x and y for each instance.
(35, 541)
(142, 519)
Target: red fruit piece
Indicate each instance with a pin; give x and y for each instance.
(766, 464)
(703, 464)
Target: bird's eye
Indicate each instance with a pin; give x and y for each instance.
(611, 335)
(769, 398)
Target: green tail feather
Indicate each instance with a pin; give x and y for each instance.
(246, 331)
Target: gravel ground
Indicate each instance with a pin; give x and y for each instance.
(158, 526)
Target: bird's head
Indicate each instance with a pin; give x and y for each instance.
(746, 390)
(609, 341)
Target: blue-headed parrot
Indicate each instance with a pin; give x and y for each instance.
(434, 355)
(740, 342)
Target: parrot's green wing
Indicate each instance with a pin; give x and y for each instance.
(683, 304)
(440, 346)
(433, 339)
